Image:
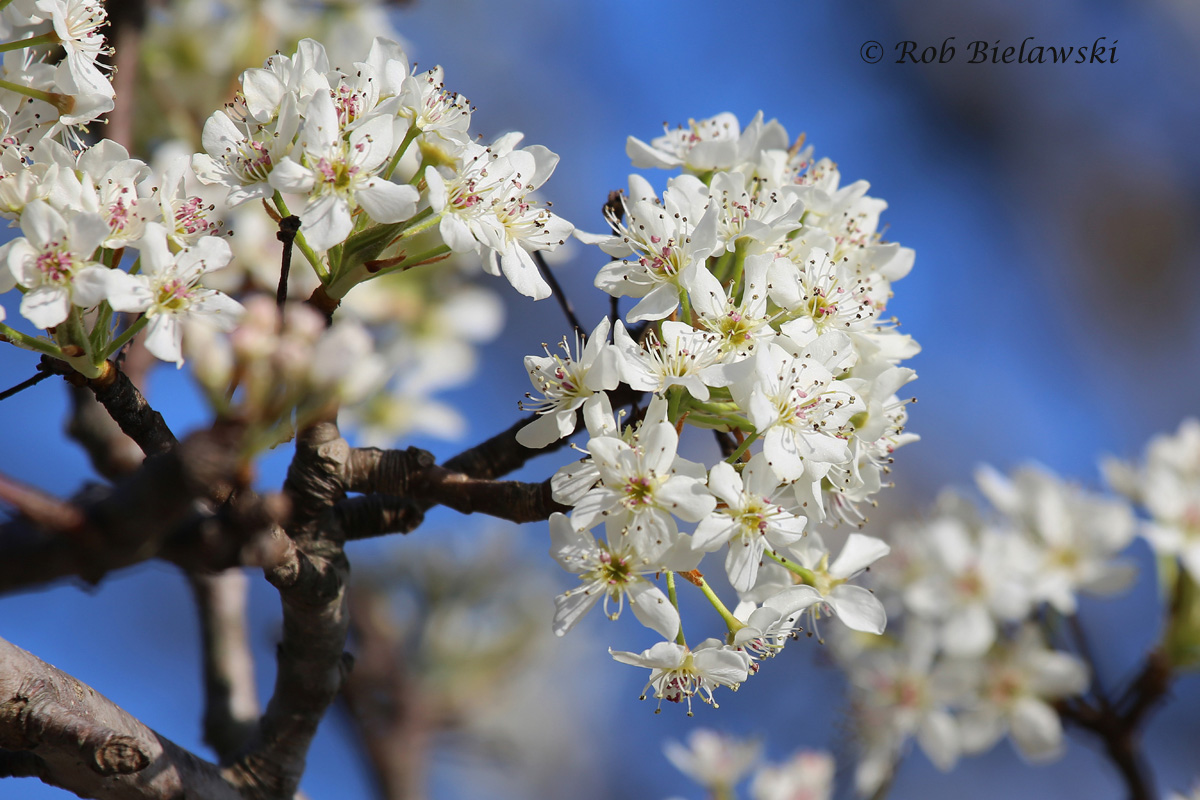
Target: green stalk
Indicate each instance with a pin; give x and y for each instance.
(127, 334)
(62, 102)
(805, 574)
(101, 329)
(413, 133)
(310, 254)
(28, 342)
(674, 598)
(731, 622)
(685, 305)
(32, 41)
(719, 265)
(735, 274)
(742, 448)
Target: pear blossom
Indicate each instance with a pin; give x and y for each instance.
(716, 761)
(1015, 692)
(683, 356)
(642, 490)
(749, 519)
(1077, 534)
(77, 24)
(241, 154)
(339, 175)
(856, 607)
(659, 244)
(807, 774)
(741, 325)
(1168, 486)
(800, 409)
(701, 145)
(679, 674)
(902, 692)
(566, 385)
(168, 290)
(613, 573)
(485, 205)
(53, 262)
(975, 580)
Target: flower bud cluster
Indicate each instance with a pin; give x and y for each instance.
(281, 369)
(760, 285)
(974, 652)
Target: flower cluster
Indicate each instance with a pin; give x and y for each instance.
(374, 157)
(79, 213)
(975, 656)
(719, 763)
(40, 99)
(760, 285)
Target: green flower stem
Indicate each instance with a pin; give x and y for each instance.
(413, 133)
(701, 420)
(731, 622)
(79, 334)
(128, 334)
(317, 264)
(806, 575)
(429, 256)
(62, 102)
(674, 598)
(675, 398)
(362, 273)
(685, 306)
(4, 4)
(101, 328)
(719, 265)
(32, 41)
(742, 448)
(28, 342)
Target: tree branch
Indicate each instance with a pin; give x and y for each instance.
(311, 577)
(67, 734)
(230, 700)
(125, 525)
(124, 403)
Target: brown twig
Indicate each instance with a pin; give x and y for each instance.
(556, 289)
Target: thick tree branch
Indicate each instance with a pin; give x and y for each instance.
(515, 501)
(125, 404)
(311, 577)
(375, 515)
(498, 455)
(230, 700)
(67, 734)
(126, 525)
(413, 476)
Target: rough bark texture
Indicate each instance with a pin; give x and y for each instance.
(55, 727)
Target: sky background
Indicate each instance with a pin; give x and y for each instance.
(1053, 211)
